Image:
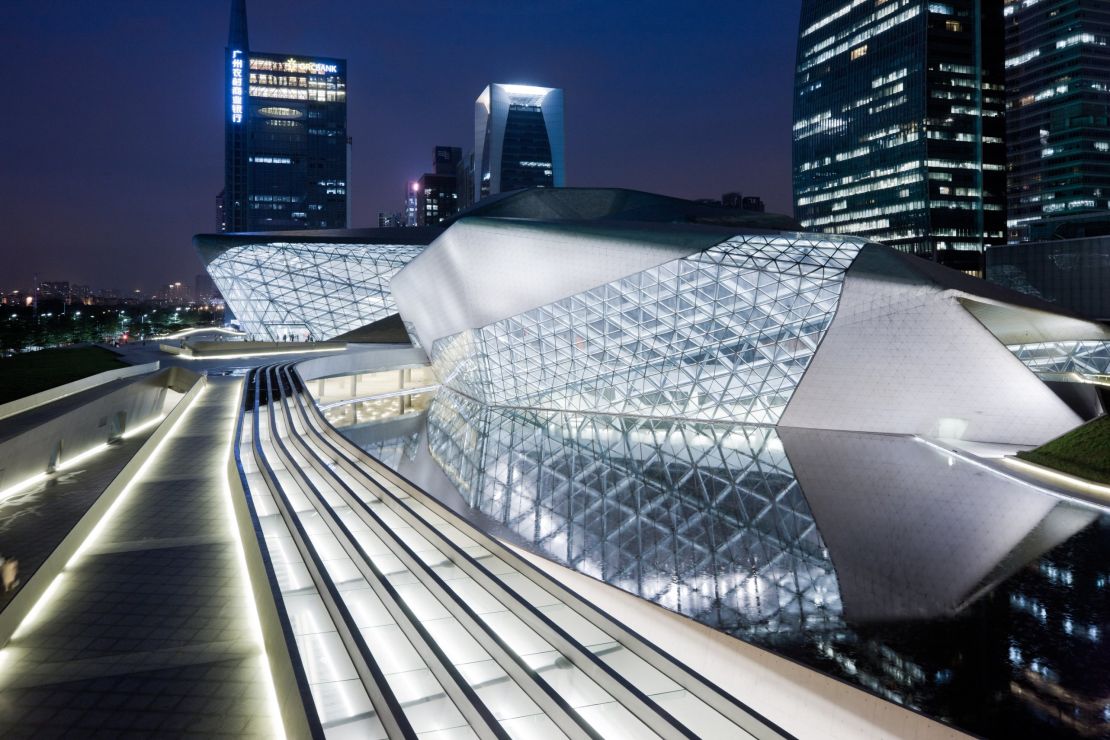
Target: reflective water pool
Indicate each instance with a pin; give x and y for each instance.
(878, 559)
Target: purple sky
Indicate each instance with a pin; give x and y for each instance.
(112, 140)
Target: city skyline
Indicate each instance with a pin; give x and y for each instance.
(693, 392)
(899, 122)
(116, 199)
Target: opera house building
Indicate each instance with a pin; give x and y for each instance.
(626, 303)
(576, 463)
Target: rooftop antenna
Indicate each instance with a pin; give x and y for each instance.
(237, 33)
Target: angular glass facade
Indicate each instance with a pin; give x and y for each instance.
(281, 290)
(879, 559)
(898, 123)
(1058, 118)
(724, 334)
(286, 148)
(1082, 357)
(706, 520)
(518, 138)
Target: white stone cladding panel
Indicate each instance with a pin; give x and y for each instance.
(906, 358)
(481, 271)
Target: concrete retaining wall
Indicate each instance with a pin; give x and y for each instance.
(30, 593)
(217, 349)
(50, 395)
(85, 427)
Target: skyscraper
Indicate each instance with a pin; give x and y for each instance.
(464, 178)
(518, 139)
(438, 194)
(286, 157)
(898, 124)
(446, 159)
(1058, 118)
(412, 204)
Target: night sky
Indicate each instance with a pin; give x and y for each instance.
(112, 134)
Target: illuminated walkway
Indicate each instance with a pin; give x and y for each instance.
(35, 519)
(147, 629)
(409, 622)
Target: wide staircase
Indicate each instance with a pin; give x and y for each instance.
(409, 622)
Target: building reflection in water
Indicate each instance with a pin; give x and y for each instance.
(875, 558)
(706, 520)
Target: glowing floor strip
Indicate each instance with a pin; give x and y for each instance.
(23, 484)
(203, 330)
(98, 530)
(67, 463)
(36, 611)
(244, 574)
(144, 426)
(1070, 481)
(51, 591)
(1003, 474)
(259, 354)
(40, 607)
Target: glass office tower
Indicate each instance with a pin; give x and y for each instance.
(287, 150)
(1058, 118)
(898, 124)
(518, 139)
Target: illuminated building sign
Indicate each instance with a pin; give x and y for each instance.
(299, 66)
(236, 86)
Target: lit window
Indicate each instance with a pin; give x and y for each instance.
(954, 26)
(859, 51)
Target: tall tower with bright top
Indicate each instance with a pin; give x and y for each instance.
(518, 139)
(286, 149)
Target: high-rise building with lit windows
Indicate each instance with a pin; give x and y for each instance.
(438, 194)
(518, 139)
(1058, 118)
(286, 159)
(899, 124)
(412, 204)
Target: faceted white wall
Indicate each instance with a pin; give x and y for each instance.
(483, 270)
(666, 321)
(906, 358)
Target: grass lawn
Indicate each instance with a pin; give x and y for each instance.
(1084, 451)
(31, 372)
